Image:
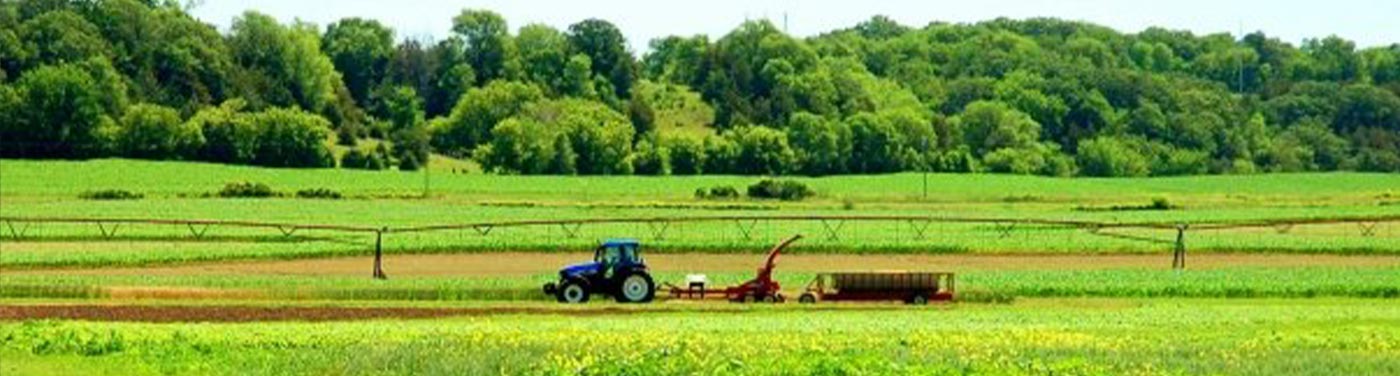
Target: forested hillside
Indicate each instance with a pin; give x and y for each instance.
(144, 79)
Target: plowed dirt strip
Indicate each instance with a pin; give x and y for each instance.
(162, 313)
(523, 264)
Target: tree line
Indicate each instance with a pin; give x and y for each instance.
(144, 79)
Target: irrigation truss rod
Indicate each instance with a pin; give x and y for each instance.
(287, 228)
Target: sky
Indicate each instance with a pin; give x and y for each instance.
(1367, 22)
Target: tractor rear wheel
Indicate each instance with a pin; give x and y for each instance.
(636, 288)
(573, 292)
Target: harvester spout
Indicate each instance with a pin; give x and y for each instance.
(773, 254)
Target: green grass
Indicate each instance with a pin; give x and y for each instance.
(173, 191)
(1165, 336)
(1238, 282)
(56, 179)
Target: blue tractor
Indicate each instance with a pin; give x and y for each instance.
(617, 269)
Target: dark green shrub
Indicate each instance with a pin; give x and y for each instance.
(786, 190)
(319, 193)
(246, 190)
(724, 191)
(410, 162)
(364, 160)
(1161, 203)
(110, 194)
(719, 192)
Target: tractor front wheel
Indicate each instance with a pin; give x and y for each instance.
(573, 292)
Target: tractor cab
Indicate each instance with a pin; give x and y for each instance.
(618, 252)
(617, 269)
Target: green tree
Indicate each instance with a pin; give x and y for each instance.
(520, 146)
(478, 112)
(282, 66)
(578, 78)
(488, 47)
(643, 117)
(230, 135)
(544, 52)
(157, 132)
(1332, 59)
(61, 37)
(167, 56)
(649, 158)
(822, 146)
(989, 126)
(677, 60)
(558, 135)
(361, 50)
(1111, 157)
(761, 151)
(452, 78)
(687, 154)
(606, 49)
(292, 138)
(55, 112)
(409, 134)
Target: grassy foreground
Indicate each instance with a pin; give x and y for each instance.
(1036, 337)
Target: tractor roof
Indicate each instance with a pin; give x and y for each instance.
(621, 242)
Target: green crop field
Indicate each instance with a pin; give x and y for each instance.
(1166, 336)
(392, 199)
(1032, 298)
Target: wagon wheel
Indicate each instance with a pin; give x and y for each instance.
(808, 298)
(919, 299)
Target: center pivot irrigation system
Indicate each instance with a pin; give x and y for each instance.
(18, 227)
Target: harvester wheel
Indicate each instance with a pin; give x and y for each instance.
(750, 298)
(636, 288)
(573, 292)
(808, 298)
(770, 299)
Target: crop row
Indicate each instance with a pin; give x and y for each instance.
(1242, 282)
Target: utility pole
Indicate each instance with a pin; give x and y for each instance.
(427, 178)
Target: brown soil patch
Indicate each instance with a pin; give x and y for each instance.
(522, 264)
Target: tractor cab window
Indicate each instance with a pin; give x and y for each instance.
(609, 255)
(615, 254)
(629, 254)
